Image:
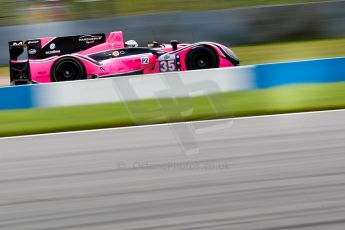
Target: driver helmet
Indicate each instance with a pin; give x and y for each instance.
(131, 43)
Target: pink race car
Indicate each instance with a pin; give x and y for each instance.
(54, 59)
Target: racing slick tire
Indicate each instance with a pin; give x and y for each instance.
(68, 69)
(202, 58)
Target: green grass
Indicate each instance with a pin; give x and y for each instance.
(289, 51)
(4, 71)
(246, 103)
(137, 7)
(276, 52)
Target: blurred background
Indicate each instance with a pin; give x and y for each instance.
(36, 11)
(259, 31)
(282, 172)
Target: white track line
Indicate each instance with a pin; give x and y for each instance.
(282, 5)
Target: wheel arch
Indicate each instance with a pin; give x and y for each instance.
(223, 51)
(210, 47)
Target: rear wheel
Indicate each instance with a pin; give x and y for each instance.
(201, 58)
(68, 69)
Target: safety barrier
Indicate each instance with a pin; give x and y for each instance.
(177, 84)
(300, 72)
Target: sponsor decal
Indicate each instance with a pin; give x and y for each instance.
(31, 42)
(17, 43)
(117, 53)
(32, 51)
(52, 46)
(53, 52)
(145, 60)
(90, 39)
(167, 57)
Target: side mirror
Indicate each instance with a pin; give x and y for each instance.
(174, 44)
(153, 44)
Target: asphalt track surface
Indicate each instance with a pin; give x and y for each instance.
(271, 172)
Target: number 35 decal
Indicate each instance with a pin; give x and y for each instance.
(167, 66)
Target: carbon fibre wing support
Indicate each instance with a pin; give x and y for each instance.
(19, 70)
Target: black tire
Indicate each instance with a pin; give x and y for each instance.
(68, 69)
(202, 58)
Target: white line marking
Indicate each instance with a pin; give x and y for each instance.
(281, 5)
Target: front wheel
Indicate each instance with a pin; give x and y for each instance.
(67, 69)
(201, 58)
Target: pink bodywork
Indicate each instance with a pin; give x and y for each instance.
(40, 69)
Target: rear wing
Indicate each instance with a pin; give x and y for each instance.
(45, 48)
(55, 46)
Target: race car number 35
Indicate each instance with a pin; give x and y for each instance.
(167, 66)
